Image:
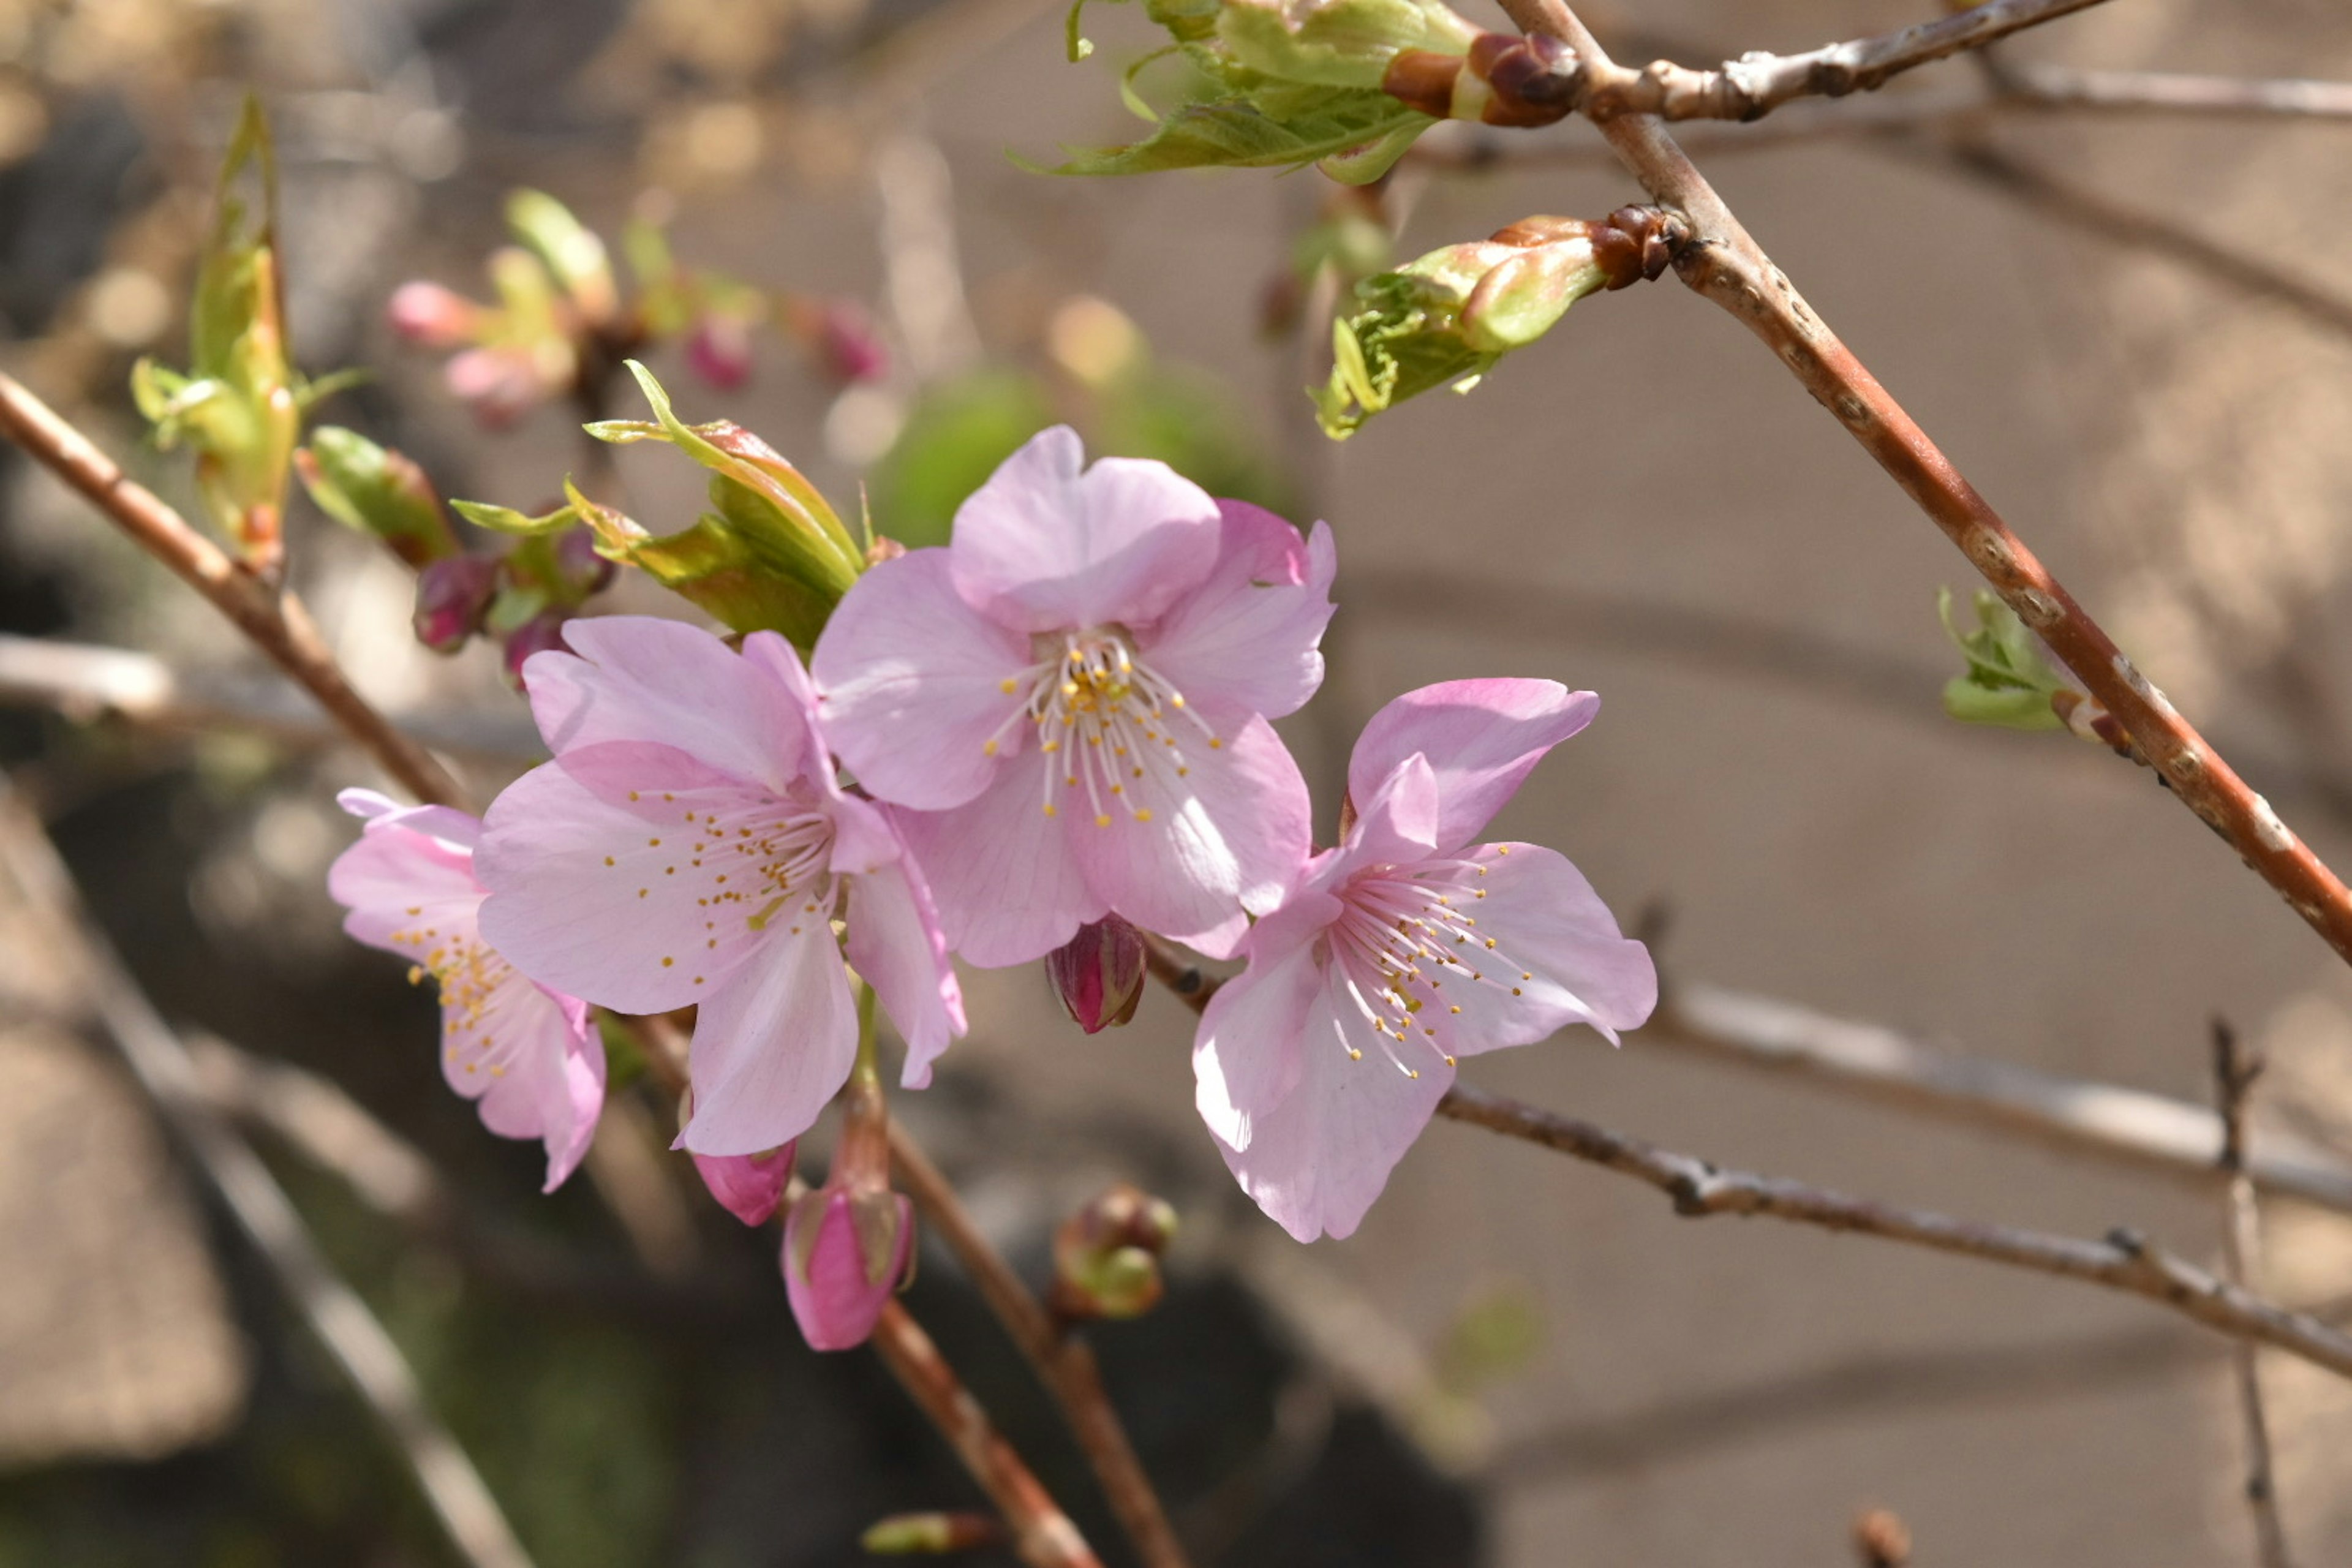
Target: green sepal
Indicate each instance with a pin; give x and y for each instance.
(568, 249)
(377, 490)
(2008, 683)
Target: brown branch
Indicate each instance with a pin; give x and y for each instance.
(1065, 1363)
(1724, 263)
(2125, 1260)
(1755, 83)
(335, 1314)
(2234, 1072)
(1042, 1532)
(276, 622)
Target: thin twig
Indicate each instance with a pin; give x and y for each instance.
(1756, 83)
(1892, 1069)
(1725, 264)
(2234, 1072)
(2059, 88)
(276, 622)
(342, 1321)
(2125, 1260)
(1065, 1363)
(1042, 1532)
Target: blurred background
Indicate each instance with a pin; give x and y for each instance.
(1519, 1360)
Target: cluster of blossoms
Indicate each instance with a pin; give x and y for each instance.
(1022, 745)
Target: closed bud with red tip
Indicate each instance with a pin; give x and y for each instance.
(748, 1186)
(1098, 974)
(452, 595)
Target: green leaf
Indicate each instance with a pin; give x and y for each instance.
(568, 249)
(2007, 682)
(376, 491)
(1364, 131)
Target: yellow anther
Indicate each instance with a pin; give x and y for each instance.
(1102, 821)
(1009, 686)
(1144, 814)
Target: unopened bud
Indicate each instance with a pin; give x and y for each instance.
(1106, 1255)
(500, 384)
(2008, 683)
(452, 595)
(719, 350)
(841, 336)
(433, 317)
(1098, 974)
(845, 1253)
(748, 1186)
(930, 1534)
(585, 574)
(1449, 316)
(377, 490)
(541, 634)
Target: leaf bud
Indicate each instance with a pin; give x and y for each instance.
(930, 1534)
(1097, 974)
(1107, 1255)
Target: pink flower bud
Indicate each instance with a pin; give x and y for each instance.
(451, 595)
(583, 571)
(719, 351)
(845, 1253)
(841, 336)
(1098, 974)
(748, 1186)
(538, 635)
(429, 315)
(500, 384)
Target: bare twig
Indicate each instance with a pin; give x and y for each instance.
(1885, 1066)
(2165, 93)
(1755, 84)
(1725, 264)
(276, 623)
(350, 1331)
(2234, 1072)
(1065, 1363)
(1042, 1532)
(2125, 1260)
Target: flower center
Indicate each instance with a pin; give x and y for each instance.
(1406, 933)
(1107, 723)
(787, 852)
(472, 980)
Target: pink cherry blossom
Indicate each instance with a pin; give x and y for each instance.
(527, 1054)
(690, 844)
(748, 1186)
(1070, 702)
(1403, 950)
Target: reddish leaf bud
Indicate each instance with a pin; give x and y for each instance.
(1106, 1255)
(719, 350)
(452, 594)
(1098, 974)
(538, 635)
(583, 571)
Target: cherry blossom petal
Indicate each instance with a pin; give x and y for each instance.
(640, 677)
(771, 1046)
(396, 884)
(625, 903)
(550, 1083)
(1250, 1050)
(1483, 737)
(1229, 835)
(1316, 1161)
(896, 943)
(1396, 825)
(453, 829)
(1558, 945)
(1247, 636)
(1008, 886)
(915, 685)
(1048, 544)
